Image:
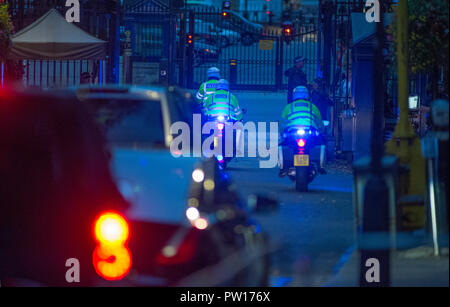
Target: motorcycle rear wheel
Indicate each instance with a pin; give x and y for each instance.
(301, 178)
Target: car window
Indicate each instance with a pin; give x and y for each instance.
(129, 122)
(181, 106)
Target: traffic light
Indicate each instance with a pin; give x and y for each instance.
(226, 6)
(190, 39)
(288, 32)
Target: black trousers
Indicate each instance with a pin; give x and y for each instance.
(289, 95)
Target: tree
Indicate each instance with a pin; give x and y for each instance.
(428, 39)
(13, 68)
(6, 29)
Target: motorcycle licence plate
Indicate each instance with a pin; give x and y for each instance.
(301, 160)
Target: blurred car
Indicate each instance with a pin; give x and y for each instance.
(183, 210)
(54, 182)
(227, 37)
(205, 53)
(161, 226)
(250, 32)
(212, 34)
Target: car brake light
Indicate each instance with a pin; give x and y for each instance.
(111, 229)
(301, 143)
(112, 262)
(111, 258)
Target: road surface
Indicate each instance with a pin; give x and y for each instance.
(312, 230)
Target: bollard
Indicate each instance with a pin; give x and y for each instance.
(429, 151)
(233, 73)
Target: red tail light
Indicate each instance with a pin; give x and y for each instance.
(112, 262)
(220, 126)
(111, 257)
(301, 142)
(111, 229)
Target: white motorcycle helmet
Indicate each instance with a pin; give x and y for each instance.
(300, 92)
(213, 72)
(223, 84)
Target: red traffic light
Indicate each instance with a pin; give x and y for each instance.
(226, 5)
(189, 39)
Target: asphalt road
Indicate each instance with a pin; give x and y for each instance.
(311, 230)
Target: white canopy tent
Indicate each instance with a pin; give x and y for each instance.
(51, 37)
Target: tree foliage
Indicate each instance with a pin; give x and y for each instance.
(428, 34)
(13, 68)
(6, 30)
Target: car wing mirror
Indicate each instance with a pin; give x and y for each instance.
(262, 204)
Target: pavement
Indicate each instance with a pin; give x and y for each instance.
(416, 267)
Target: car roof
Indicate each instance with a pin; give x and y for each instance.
(119, 88)
(242, 18)
(119, 91)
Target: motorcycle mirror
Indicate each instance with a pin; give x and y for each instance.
(262, 204)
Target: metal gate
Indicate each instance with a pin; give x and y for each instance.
(188, 42)
(249, 56)
(151, 28)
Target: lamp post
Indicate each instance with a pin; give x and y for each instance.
(375, 237)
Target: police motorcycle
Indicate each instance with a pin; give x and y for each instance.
(300, 141)
(221, 122)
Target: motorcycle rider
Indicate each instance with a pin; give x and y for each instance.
(301, 112)
(209, 87)
(222, 101)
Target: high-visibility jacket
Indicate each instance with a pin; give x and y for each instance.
(223, 103)
(206, 88)
(302, 113)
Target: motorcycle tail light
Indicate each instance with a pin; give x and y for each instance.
(220, 158)
(220, 126)
(301, 142)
